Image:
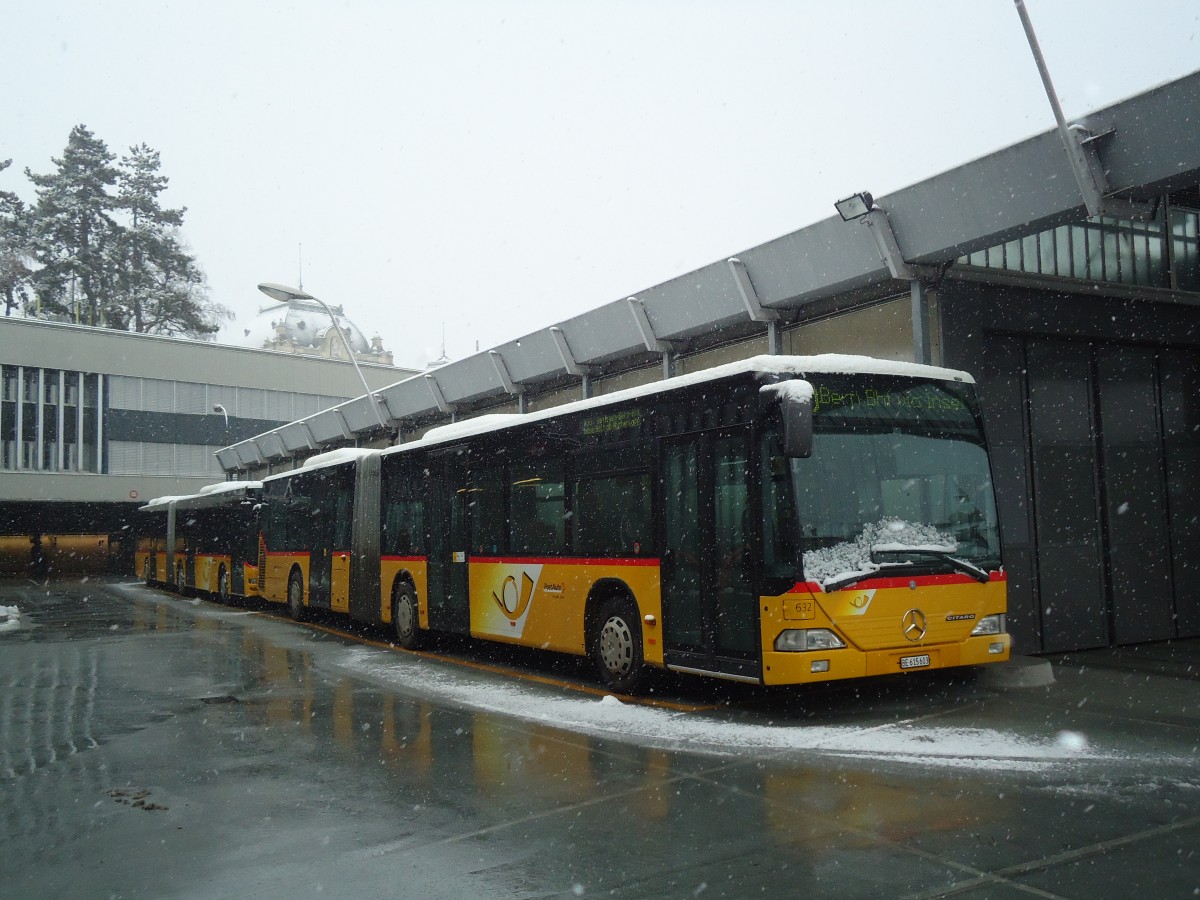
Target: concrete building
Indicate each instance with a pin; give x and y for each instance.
(94, 422)
(1064, 271)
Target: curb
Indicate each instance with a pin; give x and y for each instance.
(1018, 672)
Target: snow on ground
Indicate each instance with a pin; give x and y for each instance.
(10, 619)
(909, 741)
(915, 741)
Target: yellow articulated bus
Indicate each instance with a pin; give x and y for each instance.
(779, 520)
(203, 542)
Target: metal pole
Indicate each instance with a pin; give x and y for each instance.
(283, 293)
(1093, 194)
(350, 353)
(922, 352)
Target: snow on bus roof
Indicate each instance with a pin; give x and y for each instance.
(328, 458)
(338, 456)
(160, 501)
(824, 364)
(222, 486)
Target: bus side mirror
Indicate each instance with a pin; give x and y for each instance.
(797, 416)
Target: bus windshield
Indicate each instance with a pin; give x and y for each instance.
(898, 476)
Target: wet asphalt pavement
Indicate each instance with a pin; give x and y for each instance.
(156, 746)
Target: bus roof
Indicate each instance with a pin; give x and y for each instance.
(824, 364)
(336, 457)
(340, 456)
(209, 490)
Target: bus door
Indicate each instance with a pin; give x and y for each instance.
(446, 499)
(321, 528)
(710, 608)
(340, 487)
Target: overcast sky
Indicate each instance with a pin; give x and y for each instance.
(499, 166)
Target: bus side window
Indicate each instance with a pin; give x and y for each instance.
(403, 516)
(537, 507)
(485, 509)
(611, 515)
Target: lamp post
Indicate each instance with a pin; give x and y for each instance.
(218, 408)
(283, 294)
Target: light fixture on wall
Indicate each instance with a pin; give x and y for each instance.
(855, 206)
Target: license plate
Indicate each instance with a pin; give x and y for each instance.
(914, 662)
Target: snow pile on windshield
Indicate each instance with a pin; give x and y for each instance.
(10, 618)
(854, 557)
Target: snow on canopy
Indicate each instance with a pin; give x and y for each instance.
(852, 558)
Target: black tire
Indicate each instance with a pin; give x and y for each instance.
(223, 584)
(295, 597)
(617, 646)
(406, 627)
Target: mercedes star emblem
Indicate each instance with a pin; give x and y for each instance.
(914, 624)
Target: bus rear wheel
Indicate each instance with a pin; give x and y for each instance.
(406, 621)
(295, 597)
(617, 646)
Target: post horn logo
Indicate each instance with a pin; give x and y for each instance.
(514, 602)
(914, 625)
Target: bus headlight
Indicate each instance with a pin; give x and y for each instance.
(798, 640)
(989, 625)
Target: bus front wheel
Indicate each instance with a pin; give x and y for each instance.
(295, 597)
(405, 617)
(617, 646)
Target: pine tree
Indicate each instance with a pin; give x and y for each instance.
(115, 260)
(16, 254)
(161, 289)
(73, 229)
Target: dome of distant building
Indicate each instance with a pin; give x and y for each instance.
(304, 327)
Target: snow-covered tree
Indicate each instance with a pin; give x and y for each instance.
(160, 288)
(16, 254)
(73, 229)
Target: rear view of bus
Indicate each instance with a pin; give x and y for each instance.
(877, 487)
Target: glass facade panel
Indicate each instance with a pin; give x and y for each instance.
(1185, 249)
(1029, 253)
(1063, 264)
(1107, 249)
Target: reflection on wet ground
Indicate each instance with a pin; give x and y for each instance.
(157, 746)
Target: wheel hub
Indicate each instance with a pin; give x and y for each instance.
(616, 646)
(404, 616)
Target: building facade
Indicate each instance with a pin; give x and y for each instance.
(94, 422)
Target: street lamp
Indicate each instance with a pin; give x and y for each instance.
(218, 408)
(283, 294)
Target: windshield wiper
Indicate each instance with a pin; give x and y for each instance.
(846, 580)
(959, 565)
